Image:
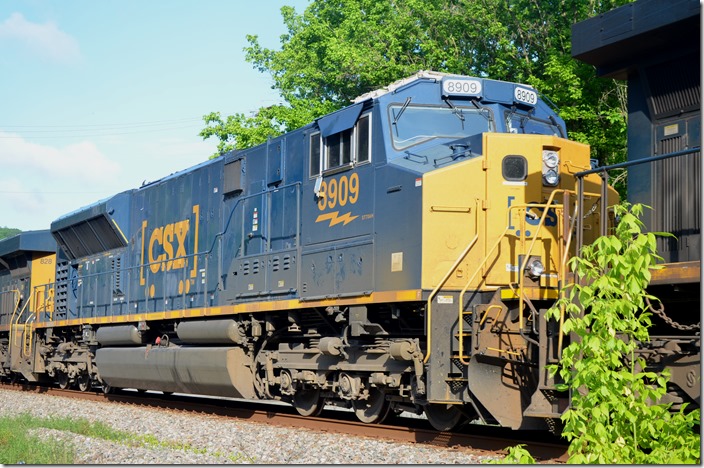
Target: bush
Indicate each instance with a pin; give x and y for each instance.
(614, 416)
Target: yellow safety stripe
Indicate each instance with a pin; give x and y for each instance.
(533, 294)
(244, 308)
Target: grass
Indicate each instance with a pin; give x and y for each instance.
(18, 446)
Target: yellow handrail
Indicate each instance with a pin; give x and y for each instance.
(526, 254)
(500, 237)
(27, 337)
(13, 322)
(562, 211)
(464, 290)
(437, 288)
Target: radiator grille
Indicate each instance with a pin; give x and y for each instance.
(61, 291)
(677, 198)
(674, 87)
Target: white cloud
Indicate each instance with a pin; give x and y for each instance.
(18, 196)
(46, 39)
(38, 182)
(80, 161)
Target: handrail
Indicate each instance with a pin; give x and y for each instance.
(16, 325)
(38, 290)
(429, 308)
(437, 288)
(27, 336)
(636, 162)
(466, 287)
(499, 238)
(12, 320)
(526, 254)
(560, 209)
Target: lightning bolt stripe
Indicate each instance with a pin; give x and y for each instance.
(335, 218)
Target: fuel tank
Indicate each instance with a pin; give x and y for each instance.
(222, 371)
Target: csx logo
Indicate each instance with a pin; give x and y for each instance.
(162, 242)
(165, 249)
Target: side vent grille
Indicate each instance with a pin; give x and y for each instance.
(116, 266)
(89, 237)
(677, 198)
(61, 291)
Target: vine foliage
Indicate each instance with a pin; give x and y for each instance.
(614, 416)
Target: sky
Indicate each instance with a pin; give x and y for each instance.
(97, 97)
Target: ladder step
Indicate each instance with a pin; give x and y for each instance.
(456, 379)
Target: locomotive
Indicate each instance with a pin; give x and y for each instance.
(396, 255)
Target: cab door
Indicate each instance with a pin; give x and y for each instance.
(338, 207)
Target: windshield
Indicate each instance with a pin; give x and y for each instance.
(411, 125)
(521, 123)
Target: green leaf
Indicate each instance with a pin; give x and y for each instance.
(614, 416)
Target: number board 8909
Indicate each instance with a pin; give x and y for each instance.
(525, 96)
(461, 87)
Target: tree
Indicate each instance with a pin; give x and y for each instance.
(8, 232)
(339, 49)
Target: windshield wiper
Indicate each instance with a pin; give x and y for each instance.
(456, 111)
(400, 113)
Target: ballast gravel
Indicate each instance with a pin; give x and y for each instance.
(202, 439)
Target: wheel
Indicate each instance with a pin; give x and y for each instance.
(374, 409)
(62, 380)
(443, 417)
(107, 389)
(84, 382)
(308, 402)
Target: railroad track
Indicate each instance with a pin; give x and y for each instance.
(400, 429)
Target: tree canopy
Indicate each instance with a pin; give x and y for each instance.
(8, 232)
(337, 50)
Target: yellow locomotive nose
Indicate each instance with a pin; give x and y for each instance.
(497, 234)
(512, 194)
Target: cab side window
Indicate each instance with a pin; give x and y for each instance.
(345, 148)
(363, 139)
(315, 154)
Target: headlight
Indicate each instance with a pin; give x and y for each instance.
(535, 268)
(551, 159)
(551, 165)
(551, 177)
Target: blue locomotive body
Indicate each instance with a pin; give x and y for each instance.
(398, 253)
(328, 211)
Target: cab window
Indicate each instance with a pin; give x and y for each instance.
(342, 149)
